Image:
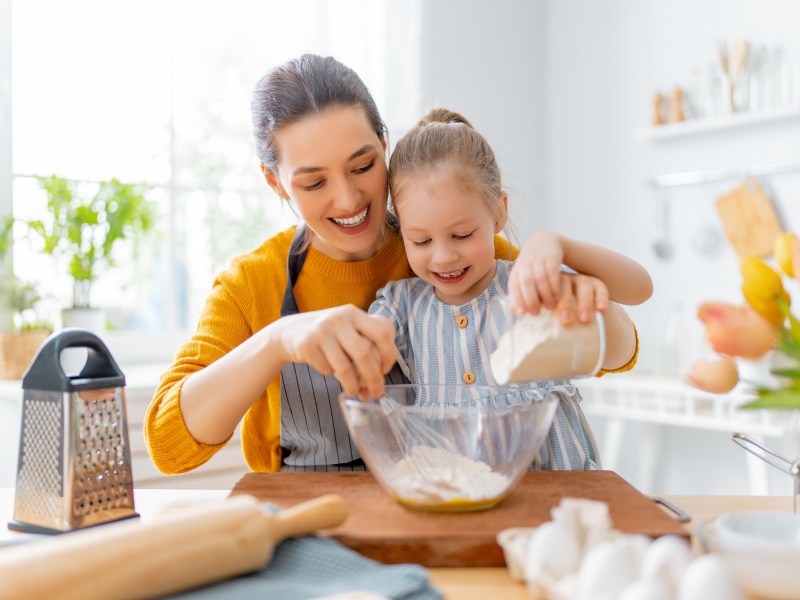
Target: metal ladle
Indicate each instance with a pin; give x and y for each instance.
(773, 458)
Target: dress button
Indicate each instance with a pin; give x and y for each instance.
(461, 321)
(469, 377)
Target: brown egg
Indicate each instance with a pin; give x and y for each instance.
(717, 375)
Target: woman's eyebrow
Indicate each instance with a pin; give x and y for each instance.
(365, 149)
(362, 151)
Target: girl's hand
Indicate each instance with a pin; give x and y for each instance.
(344, 341)
(579, 297)
(535, 280)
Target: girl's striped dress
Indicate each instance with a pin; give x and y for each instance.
(442, 343)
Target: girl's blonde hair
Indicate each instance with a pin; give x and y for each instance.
(445, 139)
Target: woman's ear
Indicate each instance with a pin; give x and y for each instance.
(502, 212)
(272, 181)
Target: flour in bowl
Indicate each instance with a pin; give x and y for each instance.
(434, 475)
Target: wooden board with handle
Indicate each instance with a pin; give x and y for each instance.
(380, 528)
(749, 220)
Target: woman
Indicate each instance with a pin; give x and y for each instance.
(284, 329)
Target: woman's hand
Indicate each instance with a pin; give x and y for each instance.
(344, 341)
(537, 282)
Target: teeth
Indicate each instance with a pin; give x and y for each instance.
(451, 274)
(352, 221)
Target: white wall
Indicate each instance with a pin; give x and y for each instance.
(603, 60)
(486, 61)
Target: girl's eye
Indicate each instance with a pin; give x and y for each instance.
(422, 243)
(463, 237)
(313, 186)
(365, 168)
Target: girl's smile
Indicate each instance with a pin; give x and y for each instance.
(448, 230)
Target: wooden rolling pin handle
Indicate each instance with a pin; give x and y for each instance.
(320, 513)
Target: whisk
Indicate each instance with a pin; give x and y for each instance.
(429, 434)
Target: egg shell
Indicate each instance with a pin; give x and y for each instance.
(666, 559)
(646, 589)
(606, 570)
(709, 577)
(552, 548)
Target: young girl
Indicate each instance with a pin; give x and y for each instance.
(447, 193)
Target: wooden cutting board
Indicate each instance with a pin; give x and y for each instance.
(380, 528)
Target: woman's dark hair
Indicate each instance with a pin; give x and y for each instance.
(300, 87)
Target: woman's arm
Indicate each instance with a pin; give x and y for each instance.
(620, 338)
(356, 348)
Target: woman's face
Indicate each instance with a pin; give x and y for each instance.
(332, 167)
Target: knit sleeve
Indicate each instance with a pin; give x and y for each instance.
(223, 326)
(630, 364)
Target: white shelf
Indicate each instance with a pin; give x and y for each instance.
(698, 126)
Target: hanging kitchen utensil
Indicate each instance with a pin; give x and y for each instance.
(74, 465)
(773, 458)
(749, 220)
(662, 245)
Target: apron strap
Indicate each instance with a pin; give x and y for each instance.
(294, 263)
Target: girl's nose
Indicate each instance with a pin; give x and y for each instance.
(444, 254)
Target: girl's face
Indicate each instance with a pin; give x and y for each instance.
(332, 167)
(448, 231)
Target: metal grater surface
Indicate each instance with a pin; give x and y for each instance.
(74, 467)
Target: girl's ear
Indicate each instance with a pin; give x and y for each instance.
(502, 212)
(272, 181)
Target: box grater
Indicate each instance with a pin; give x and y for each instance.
(74, 466)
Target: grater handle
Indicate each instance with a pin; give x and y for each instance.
(45, 372)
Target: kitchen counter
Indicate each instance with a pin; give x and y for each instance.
(455, 583)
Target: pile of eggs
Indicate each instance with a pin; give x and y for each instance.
(578, 556)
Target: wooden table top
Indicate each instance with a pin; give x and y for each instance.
(455, 583)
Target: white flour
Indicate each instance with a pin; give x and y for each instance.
(516, 344)
(434, 475)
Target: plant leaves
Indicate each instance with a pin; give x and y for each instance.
(780, 398)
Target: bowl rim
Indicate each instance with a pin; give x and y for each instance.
(746, 541)
(544, 396)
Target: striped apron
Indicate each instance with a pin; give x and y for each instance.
(314, 435)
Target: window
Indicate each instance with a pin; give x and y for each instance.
(158, 93)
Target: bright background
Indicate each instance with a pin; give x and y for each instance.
(158, 92)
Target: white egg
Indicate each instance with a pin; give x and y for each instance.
(646, 589)
(708, 577)
(606, 570)
(638, 543)
(666, 559)
(552, 548)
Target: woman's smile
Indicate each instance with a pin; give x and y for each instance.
(354, 222)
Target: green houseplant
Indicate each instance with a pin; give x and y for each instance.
(85, 225)
(23, 329)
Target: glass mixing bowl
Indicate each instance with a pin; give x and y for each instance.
(450, 447)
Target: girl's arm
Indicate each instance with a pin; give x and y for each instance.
(536, 279)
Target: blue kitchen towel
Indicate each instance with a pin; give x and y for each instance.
(311, 566)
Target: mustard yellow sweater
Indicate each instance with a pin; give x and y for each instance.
(244, 299)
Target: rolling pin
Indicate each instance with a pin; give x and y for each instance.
(132, 559)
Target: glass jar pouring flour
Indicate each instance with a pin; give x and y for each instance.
(539, 347)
